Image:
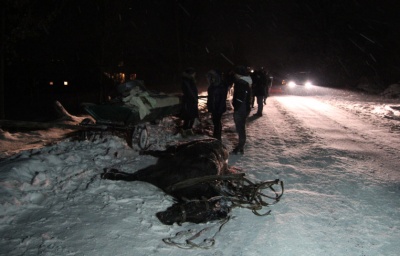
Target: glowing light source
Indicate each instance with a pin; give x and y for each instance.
(292, 84)
(65, 83)
(51, 83)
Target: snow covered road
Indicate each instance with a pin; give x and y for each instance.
(341, 175)
(344, 132)
(339, 167)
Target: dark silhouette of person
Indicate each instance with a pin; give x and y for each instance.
(190, 99)
(259, 89)
(216, 100)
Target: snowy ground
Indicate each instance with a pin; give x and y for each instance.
(337, 155)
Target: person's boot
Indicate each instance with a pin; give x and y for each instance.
(236, 151)
(217, 137)
(189, 132)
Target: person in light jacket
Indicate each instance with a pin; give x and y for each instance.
(241, 105)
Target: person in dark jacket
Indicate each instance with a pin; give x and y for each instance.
(268, 80)
(259, 89)
(190, 99)
(241, 105)
(216, 100)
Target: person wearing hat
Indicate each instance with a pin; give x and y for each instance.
(241, 105)
(190, 99)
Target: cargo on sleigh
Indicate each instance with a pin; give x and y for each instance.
(131, 112)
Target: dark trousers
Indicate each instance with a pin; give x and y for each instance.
(188, 124)
(216, 119)
(239, 117)
(260, 104)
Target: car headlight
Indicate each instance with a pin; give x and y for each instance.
(292, 84)
(308, 84)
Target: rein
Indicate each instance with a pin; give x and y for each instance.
(190, 243)
(241, 192)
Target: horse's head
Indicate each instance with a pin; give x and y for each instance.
(196, 211)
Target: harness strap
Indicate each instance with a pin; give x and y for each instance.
(194, 181)
(241, 193)
(190, 242)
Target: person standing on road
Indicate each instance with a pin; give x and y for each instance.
(241, 105)
(259, 89)
(216, 100)
(268, 84)
(190, 100)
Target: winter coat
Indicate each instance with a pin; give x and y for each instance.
(217, 93)
(241, 93)
(259, 87)
(190, 97)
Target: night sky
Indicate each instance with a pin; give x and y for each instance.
(342, 41)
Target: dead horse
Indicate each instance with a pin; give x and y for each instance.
(180, 163)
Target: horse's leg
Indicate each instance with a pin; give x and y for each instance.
(114, 174)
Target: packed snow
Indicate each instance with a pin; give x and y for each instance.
(337, 154)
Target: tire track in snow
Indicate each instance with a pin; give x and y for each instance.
(348, 136)
(329, 182)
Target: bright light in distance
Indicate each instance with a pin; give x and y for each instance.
(65, 83)
(308, 84)
(292, 84)
(51, 83)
